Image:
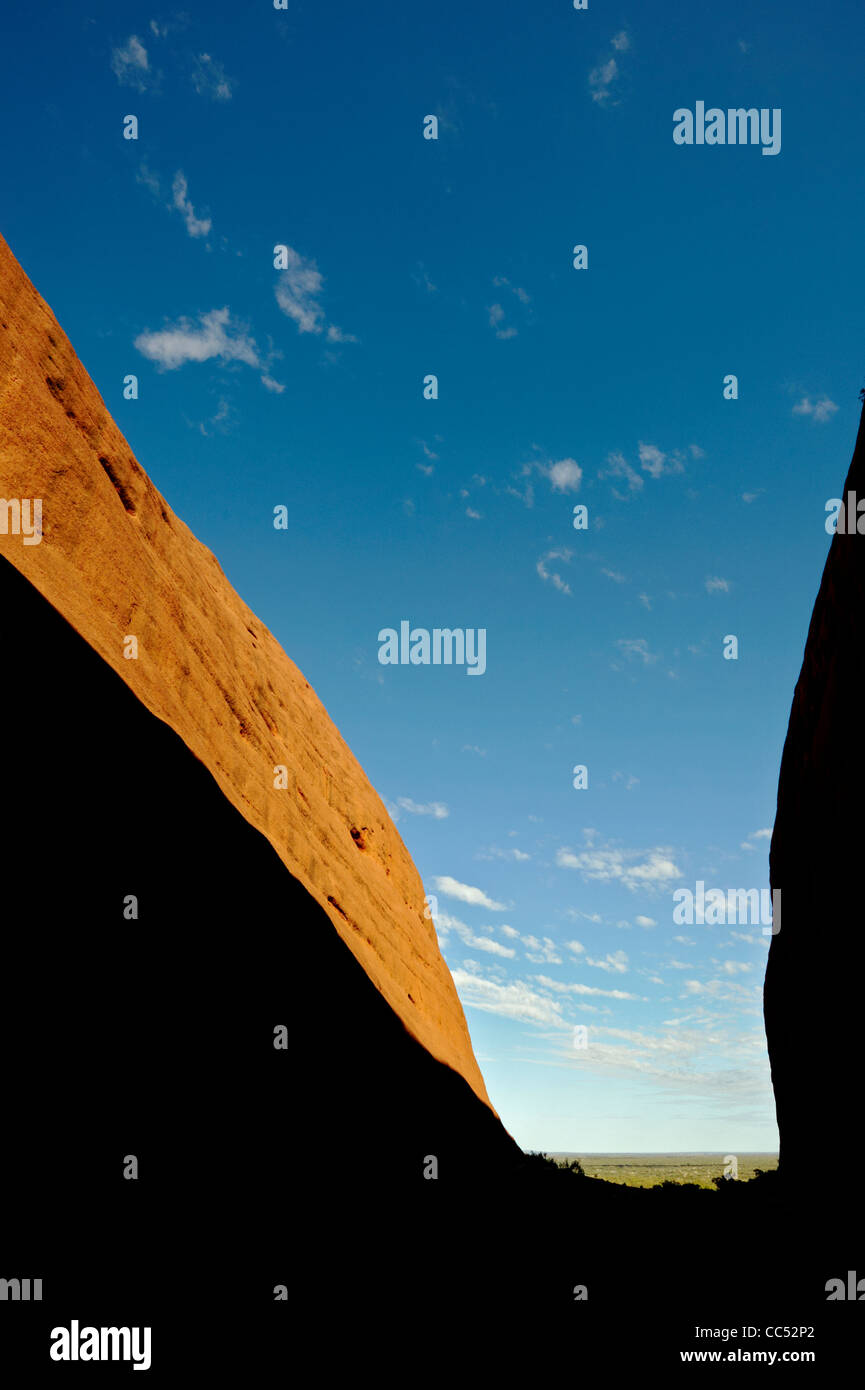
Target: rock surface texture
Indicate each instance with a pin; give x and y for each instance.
(115, 561)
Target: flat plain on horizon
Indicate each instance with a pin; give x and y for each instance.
(650, 1169)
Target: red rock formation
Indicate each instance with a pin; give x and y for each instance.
(114, 560)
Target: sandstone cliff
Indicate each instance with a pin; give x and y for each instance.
(115, 561)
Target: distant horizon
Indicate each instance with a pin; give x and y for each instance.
(657, 1153)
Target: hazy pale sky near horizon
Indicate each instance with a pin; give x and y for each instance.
(303, 387)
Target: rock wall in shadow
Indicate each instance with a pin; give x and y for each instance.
(154, 1037)
(813, 989)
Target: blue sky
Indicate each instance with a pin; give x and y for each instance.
(302, 387)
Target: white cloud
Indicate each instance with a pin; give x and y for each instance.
(565, 475)
(637, 869)
(723, 989)
(820, 411)
(604, 75)
(637, 649)
(517, 855)
(616, 963)
(715, 585)
(173, 346)
(209, 79)
(130, 64)
(735, 967)
(517, 1000)
(656, 463)
(618, 467)
(616, 577)
(652, 460)
(510, 932)
(445, 923)
(465, 893)
(436, 809)
(272, 385)
(645, 921)
(149, 180)
(583, 989)
(601, 79)
(576, 947)
(497, 311)
(756, 835)
(298, 291)
(550, 575)
(497, 314)
(196, 226)
(542, 952)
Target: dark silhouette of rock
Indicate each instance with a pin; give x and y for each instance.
(813, 989)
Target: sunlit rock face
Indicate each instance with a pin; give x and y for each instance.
(114, 560)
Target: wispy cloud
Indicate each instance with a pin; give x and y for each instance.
(465, 893)
(516, 1000)
(497, 313)
(820, 410)
(617, 466)
(650, 869)
(656, 463)
(209, 79)
(298, 294)
(436, 809)
(615, 963)
(578, 988)
(550, 576)
(601, 80)
(755, 835)
(195, 226)
(131, 65)
(541, 951)
(180, 201)
(716, 585)
(445, 923)
(602, 77)
(636, 649)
